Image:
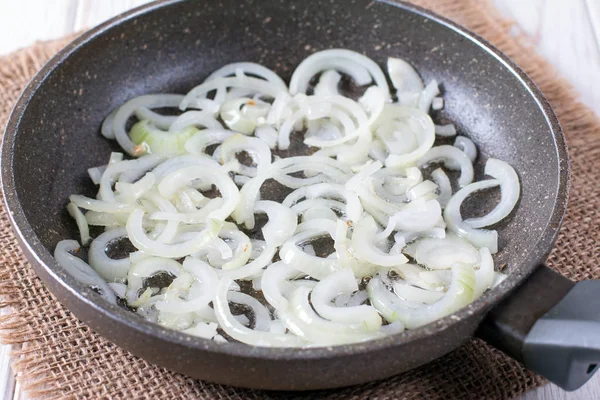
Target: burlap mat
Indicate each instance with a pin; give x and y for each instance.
(57, 356)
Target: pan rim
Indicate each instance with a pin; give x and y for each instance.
(35, 251)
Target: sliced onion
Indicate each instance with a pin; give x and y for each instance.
(338, 283)
(328, 83)
(124, 171)
(509, 190)
(245, 82)
(282, 222)
(418, 216)
(359, 67)
(128, 109)
(292, 254)
(229, 191)
(352, 207)
(267, 134)
(437, 103)
(253, 267)
(429, 93)
(484, 276)
(466, 145)
(415, 294)
(248, 68)
(459, 160)
(79, 270)
(403, 76)
(302, 320)
(257, 150)
(262, 319)
(239, 332)
(140, 239)
(420, 124)
(195, 118)
(203, 273)
(113, 270)
(365, 232)
(148, 267)
(276, 286)
(158, 120)
(82, 223)
(446, 253)
(445, 130)
(445, 188)
(453, 217)
(459, 294)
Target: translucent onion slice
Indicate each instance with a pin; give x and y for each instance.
(146, 268)
(444, 187)
(302, 320)
(230, 194)
(459, 294)
(484, 276)
(248, 68)
(267, 134)
(124, 171)
(448, 130)
(445, 253)
(363, 244)
(195, 119)
(415, 294)
(258, 151)
(509, 191)
(262, 317)
(459, 160)
(141, 241)
(341, 282)
(292, 254)
(403, 76)
(352, 208)
(245, 82)
(246, 272)
(452, 216)
(79, 270)
(328, 83)
(428, 94)
(243, 334)
(418, 216)
(243, 114)
(276, 286)
(282, 222)
(160, 121)
(359, 67)
(208, 278)
(113, 270)
(82, 223)
(422, 127)
(128, 109)
(466, 145)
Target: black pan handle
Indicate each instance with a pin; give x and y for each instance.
(551, 325)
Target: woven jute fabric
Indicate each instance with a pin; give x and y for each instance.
(57, 356)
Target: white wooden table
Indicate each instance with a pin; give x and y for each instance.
(566, 32)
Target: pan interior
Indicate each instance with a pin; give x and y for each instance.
(173, 50)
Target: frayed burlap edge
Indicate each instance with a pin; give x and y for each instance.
(57, 356)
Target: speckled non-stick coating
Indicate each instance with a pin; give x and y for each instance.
(53, 137)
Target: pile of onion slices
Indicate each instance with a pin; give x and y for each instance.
(363, 236)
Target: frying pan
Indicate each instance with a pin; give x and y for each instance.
(537, 316)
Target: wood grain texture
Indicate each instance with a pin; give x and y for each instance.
(567, 33)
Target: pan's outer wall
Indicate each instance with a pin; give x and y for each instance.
(52, 138)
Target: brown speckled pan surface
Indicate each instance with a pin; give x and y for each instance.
(53, 137)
